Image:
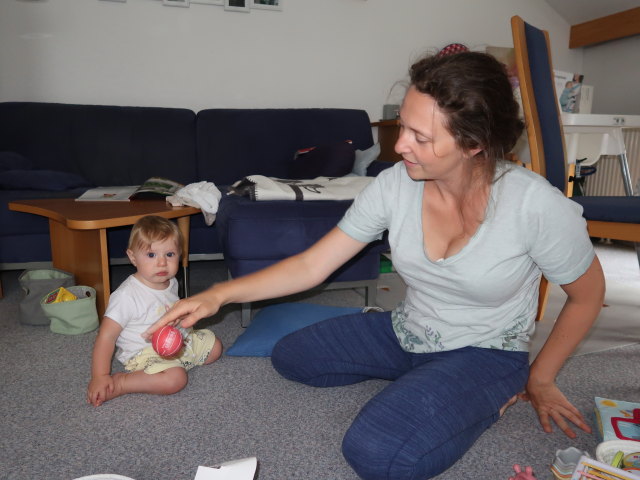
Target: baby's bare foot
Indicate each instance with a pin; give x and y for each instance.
(510, 402)
(118, 386)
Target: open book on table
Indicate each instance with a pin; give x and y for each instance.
(153, 187)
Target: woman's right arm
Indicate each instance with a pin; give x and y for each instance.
(291, 275)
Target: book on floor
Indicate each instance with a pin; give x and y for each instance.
(153, 187)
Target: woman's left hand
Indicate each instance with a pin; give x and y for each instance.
(551, 404)
(584, 301)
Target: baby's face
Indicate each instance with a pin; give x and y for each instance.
(158, 264)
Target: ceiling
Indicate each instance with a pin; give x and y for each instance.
(580, 11)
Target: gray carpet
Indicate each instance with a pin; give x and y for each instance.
(237, 407)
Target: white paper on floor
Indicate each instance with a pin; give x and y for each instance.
(243, 469)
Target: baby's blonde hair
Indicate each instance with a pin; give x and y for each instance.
(153, 228)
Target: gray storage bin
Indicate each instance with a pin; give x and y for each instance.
(36, 284)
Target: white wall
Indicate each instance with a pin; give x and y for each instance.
(314, 53)
(613, 68)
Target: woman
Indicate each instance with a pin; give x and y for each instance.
(470, 235)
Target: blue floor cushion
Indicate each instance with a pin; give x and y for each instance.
(275, 321)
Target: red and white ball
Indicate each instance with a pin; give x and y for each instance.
(167, 341)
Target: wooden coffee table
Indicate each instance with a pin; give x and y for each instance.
(78, 232)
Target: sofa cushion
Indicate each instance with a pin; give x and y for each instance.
(108, 145)
(274, 229)
(274, 322)
(335, 160)
(13, 161)
(24, 237)
(364, 158)
(254, 235)
(16, 223)
(50, 180)
(236, 143)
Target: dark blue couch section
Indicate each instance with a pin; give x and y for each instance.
(107, 145)
(275, 229)
(113, 145)
(25, 237)
(234, 143)
(255, 235)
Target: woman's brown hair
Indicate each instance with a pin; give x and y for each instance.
(473, 92)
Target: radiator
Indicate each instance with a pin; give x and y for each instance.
(608, 177)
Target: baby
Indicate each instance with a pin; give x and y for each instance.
(154, 249)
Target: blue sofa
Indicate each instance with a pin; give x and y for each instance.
(60, 150)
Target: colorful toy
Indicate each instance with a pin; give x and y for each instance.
(167, 341)
(617, 419)
(613, 452)
(631, 461)
(565, 462)
(60, 295)
(589, 469)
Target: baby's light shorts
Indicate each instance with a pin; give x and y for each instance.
(197, 346)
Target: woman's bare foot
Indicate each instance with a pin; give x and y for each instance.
(510, 402)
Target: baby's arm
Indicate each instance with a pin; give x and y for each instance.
(101, 380)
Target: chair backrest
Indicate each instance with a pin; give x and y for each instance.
(539, 102)
(541, 114)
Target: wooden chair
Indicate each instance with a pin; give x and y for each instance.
(617, 218)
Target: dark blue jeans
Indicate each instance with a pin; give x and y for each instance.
(436, 407)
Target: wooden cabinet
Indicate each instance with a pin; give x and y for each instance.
(388, 131)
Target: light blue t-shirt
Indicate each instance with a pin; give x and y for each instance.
(486, 295)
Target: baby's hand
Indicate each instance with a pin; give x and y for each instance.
(520, 475)
(186, 313)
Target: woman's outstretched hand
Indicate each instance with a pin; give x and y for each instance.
(186, 312)
(551, 404)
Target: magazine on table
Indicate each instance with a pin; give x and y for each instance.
(153, 187)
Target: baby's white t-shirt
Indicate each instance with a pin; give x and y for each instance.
(135, 307)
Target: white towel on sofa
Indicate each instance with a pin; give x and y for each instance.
(261, 188)
(203, 195)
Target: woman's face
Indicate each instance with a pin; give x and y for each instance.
(427, 148)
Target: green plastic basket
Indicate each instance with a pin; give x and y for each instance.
(75, 316)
